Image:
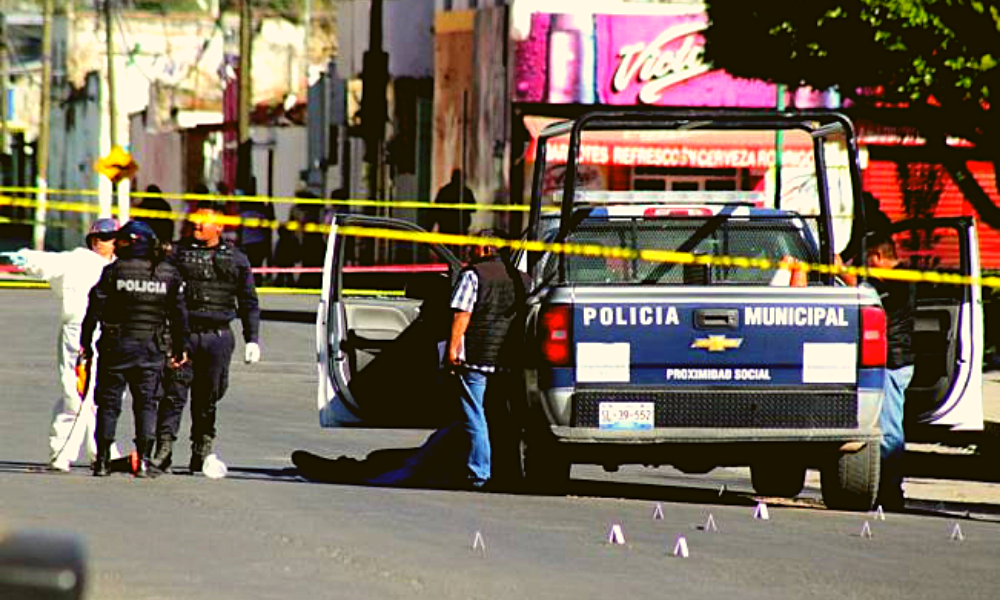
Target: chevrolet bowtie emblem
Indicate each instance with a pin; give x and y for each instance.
(717, 343)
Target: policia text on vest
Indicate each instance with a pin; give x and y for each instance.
(133, 301)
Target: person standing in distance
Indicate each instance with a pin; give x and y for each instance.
(220, 287)
(132, 302)
(71, 275)
(899, 301)
(486, 303)
(450, 220)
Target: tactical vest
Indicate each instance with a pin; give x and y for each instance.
(137, 303)
(494, 312)
(211, 275)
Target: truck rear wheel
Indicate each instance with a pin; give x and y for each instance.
(850, 481)
(780, 481)
(546, 468)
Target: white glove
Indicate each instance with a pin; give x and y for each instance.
(252, 353)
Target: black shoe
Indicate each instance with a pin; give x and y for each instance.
(164, 457)
(144, 468)
(200, 449)
(102, 463)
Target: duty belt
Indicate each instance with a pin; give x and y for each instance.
(127, 329)
(207, 326)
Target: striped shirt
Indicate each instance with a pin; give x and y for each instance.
(463, 299)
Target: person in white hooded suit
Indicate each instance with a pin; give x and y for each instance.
(70, 276)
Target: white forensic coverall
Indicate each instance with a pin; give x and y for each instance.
(70, 275)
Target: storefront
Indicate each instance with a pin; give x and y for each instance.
(627, 55)
(563, 61)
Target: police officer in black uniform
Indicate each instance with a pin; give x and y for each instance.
(132, 301)
(220, 287)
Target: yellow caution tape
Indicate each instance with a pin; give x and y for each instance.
(34, 285)
(590, 250)
(667, 256)
(363, 202)
(273, 291)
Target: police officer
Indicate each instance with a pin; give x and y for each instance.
(220, 287)
(132, 301)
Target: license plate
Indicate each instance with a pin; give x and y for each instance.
(626, 415)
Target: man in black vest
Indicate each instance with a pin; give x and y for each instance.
(220, 287)
(132, 301)
(487, 303)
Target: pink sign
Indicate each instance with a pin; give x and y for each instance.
(652, 59)
(644, 59)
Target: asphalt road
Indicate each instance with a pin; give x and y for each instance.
(264, 533)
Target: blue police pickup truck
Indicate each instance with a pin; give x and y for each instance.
(708, 363)
(634, 360)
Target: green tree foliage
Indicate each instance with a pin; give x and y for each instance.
(938, 57)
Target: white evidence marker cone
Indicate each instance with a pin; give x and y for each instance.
(760, 512)
(615, 536)
(681, 547)
(658, 512)
(866, 530)
(879, 513)
(956, 533)
(710, 524)
(478, 543)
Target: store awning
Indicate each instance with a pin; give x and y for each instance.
(713, 149)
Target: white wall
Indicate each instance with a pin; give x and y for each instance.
(74, 147)
(407, 37)
(290, 156)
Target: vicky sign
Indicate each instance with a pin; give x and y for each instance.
(658, 60)
(630, 59)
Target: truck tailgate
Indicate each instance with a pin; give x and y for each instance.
(665, 337)
(714, 357)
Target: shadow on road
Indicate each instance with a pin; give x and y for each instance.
(957, 467)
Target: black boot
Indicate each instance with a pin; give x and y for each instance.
(164, 457)
(200, 448)
(102, 461)
(144, 446)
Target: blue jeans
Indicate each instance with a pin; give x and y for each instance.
(473, 422)
(893, 439)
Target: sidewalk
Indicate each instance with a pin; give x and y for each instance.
(963, 476)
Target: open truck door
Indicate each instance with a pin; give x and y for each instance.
(947, 387)
(380, 324)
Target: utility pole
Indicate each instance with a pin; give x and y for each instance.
(374, 108)
(119, 190)
(244, 156)
(42, 151)
(307, 28)
(3, 84)
(109, 42)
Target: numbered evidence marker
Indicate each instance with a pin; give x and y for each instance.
(760, 512)
(615, 536)
(478, 543)
(658, 512)
(866, 530)
(710, 524)
(956, 533)
(681, 547)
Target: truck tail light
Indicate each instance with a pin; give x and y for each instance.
(873, 336)
(555, 331)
